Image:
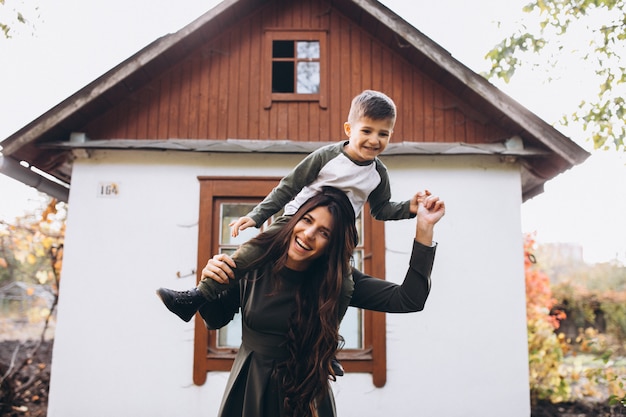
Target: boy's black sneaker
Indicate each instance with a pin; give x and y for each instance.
(182, 303)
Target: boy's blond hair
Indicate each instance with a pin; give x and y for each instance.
(374, 105)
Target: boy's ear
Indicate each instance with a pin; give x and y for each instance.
(347, 128)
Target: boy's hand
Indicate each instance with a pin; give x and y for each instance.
(241, 224)
(417, 198)
(432, 208)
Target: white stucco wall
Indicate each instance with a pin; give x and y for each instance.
(119, 352)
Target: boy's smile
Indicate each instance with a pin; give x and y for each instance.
(367, 138)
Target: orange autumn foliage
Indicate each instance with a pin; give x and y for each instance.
(539, 299)
(545, 353)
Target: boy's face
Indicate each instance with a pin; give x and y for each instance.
(368, 138)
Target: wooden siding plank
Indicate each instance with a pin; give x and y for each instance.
(429, 114)
(319, 130)
(470, 130)
(319, 123)
(377, 66)
(245, 75)
(320, 14)
(141, 106)
(132, 114)
(439, 114)
(335, 48)
(345, 88)
(255, 61)
(202, 95)
(397, 91)
(282, 121)
(405, 118)
(174, 104)
(163, 117)
(224, 81)
(102, 126)
(459, 126)
(366, 61)
(292, 128)
(449, 121)
(213, 60)
(303, 119)
(296, 13)
(355, 82)
(234, 84)
(152, 94)
(481, 134)
(185, 113)
(171, 128)
(387, 75)
(120, 121)
(194, 97)
(418, 134)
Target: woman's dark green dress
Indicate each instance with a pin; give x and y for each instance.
(253, 388)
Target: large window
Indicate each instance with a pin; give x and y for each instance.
(225, 199)
(295, 66)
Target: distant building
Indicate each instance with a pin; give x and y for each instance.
(562, 252)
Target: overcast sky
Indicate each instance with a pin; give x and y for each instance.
(75, 41)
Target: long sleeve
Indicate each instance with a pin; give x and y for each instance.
(375, 294)
(380, 206)
(303, 174)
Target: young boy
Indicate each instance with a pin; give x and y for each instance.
(352, 166)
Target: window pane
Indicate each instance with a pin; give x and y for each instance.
(308, 49)
(282, 77)
(360, 231)
(357, 259)
(351, 327)
(308, 77)
(231, 212)
(230, 335)
(282, 49)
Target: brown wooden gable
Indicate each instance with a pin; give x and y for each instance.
(192, 89)
(215, 92)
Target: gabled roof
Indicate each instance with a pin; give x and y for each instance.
(45, 142)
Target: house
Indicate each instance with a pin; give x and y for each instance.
(25, 296)
(158, 154)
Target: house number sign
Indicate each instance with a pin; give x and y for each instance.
(108, 189)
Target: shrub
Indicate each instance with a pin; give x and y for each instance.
(545, 353)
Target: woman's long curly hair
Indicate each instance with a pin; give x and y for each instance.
(313, 334)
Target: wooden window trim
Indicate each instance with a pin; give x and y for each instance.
(371, 359)
(266, 68)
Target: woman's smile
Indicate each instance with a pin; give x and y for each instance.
(302, 245)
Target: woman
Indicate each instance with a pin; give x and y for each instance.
(289, 305)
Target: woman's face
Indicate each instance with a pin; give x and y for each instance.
(309, 238)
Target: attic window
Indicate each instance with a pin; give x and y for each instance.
(296, 67)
